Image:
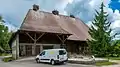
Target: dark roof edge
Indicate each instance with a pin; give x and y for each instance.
(24, 18)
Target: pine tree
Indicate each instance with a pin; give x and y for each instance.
(100, 41)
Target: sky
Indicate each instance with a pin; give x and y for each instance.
(14, 11)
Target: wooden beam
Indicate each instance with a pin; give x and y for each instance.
(63, 40)
(60, 39)
(35, 37)
(40, 36)
(30, 36)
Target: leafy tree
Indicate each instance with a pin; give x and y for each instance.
(100, 42)
(4, 36)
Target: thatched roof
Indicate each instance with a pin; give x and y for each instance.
(48, 22)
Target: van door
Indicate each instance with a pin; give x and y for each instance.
(42, 56)
(62, 55)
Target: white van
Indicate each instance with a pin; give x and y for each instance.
(52, 56)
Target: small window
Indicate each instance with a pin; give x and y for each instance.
(43, 53)
(62, 52)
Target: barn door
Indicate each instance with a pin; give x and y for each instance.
(28, 50)
(37, 49)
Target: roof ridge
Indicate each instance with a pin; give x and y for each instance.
(57, 15)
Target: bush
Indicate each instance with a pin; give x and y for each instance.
(4, 54)
(8, 59)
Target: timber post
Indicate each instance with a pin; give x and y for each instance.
(34, 46)
(35, 39)
(17, 46)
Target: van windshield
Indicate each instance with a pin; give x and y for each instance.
(62, 52)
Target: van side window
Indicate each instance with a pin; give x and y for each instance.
(43, 53)
(62, 52)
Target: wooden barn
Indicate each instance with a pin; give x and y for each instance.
(43, 30)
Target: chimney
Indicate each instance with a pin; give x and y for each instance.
(35, 7)
(55, 12)
(72, 16)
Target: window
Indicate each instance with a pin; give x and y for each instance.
(43, 53)
(62, 52)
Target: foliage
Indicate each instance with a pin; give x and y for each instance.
(105, 63)
(8, 59)
(5, 54)
(4, 36)
(100, 42)
(116, 49)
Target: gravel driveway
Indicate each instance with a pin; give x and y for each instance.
(34, 64)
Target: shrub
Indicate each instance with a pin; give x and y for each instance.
(4, 54)
(8, 59)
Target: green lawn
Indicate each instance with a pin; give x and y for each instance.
(114, 58)
(105, 63)
(111, 58)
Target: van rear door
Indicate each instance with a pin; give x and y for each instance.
(62, 55)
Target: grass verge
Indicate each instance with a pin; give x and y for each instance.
(114, 58)
(105, 63)
(8, 59)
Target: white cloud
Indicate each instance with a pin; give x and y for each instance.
(85, 10)
(49, 5)
(116, 23)
(119, 1)
(14, 11)
(11, 28)
(116, 15)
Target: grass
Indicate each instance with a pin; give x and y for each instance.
(105, 63)
(7, 59)
(114, 58)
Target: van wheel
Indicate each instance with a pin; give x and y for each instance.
(52, 62)
(37, 60)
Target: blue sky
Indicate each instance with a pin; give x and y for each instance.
(14, 11)
(115, 4)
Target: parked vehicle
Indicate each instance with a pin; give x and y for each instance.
(52, 56)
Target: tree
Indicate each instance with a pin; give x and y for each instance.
(116, 49)
(100, 41)
(4, 36)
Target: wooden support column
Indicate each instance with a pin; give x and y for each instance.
(24, 50)
(34, 46)
(41, 48)
(35, 39)
(17, 46)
